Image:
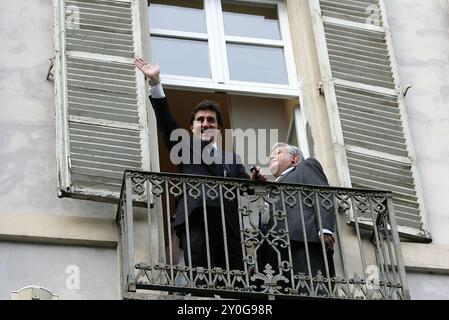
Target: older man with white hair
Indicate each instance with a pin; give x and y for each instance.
(287, 164)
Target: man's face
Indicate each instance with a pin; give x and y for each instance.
(205, 125)
(281, 160)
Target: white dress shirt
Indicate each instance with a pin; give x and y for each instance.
(157, 92)
(284, 173)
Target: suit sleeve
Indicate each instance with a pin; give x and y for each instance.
(314, 175)
(165, 121)
(240, 168)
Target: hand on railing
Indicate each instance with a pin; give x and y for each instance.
(329, 242)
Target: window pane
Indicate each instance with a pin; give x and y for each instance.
(178, 15)
(257, 64)
(254, 21)
(181, 57)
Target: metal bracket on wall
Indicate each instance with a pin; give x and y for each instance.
(406, 89)
(50, 76)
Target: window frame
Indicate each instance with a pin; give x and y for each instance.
(219, 67)
(297, 126)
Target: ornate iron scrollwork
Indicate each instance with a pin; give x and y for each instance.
(138, 180)
(262, 214)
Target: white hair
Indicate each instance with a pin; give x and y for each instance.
(292, 150)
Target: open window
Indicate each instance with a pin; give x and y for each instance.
(257, 120)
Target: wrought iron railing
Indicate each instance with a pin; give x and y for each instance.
(366, 263)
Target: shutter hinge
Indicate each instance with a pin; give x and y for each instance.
(321, 88)
(324, 82)
(69, 162)
(50, 75)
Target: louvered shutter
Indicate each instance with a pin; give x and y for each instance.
(100, 97)
(366, 106)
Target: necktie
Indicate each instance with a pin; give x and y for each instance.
(216, 165)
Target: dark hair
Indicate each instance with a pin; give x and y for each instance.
(208, 105)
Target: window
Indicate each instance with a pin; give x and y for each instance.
(223, 45)
(280, 120)
(102, 122)
(180, 26)
(249, 114)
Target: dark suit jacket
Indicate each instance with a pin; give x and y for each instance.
(166, 124)
(307, 172)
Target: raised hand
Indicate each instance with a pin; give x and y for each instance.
(152, 72)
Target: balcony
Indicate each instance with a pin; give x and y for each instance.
(367, 258)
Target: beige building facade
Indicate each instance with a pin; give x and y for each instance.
(362, 88)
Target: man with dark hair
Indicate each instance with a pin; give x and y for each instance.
(207, 105)
(206, 121)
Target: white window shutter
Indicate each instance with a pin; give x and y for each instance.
(366, 106)
(101, 112)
